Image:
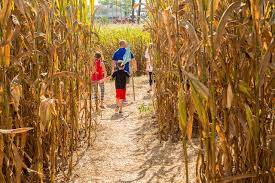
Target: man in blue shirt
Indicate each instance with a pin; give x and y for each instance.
(118, 55)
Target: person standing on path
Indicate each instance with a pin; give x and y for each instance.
(119, 54)
(98, 72)
(120, 76)
(149, 65)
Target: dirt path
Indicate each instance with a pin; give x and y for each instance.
(127, 148)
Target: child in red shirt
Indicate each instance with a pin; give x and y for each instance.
(98, 72)
(120, 76)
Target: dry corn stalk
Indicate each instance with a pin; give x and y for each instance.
(44, 46)
(220, 57)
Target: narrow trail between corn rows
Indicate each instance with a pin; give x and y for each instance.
(127, 148)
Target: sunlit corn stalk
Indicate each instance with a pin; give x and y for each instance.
(42, 79)
(228, 71)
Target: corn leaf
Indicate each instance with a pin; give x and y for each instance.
(182, 111)
(15, 131)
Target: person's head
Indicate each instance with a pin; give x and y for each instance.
(122, 43)
(120, 65)
(98, 55)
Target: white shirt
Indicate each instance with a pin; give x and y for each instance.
(149, 66)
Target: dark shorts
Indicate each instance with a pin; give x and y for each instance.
(121, 94)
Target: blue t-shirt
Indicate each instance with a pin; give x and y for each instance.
(118, 55)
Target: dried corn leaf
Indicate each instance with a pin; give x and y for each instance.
(215, 6)
(46, 112)
(20, 5)
(15, 131)
(182, 111)
(230, 96)
(18, 163)
(229, 11)
(255, 10)
(193, 37)
(190, 122)
(222, 137)
(7, 55)
(199, 86)
(250, 120)
(5, 11)
(200, 108)
(10, 34)
(16, 92)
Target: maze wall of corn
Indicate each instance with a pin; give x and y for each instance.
(45, 93)
(214, 67)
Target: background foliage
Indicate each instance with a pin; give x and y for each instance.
(110, 36)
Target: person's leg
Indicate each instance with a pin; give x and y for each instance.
(95, 91)
(117, 100)
(120, 105)
(102, 93)
(122, 98)
(150, 81)
(117, 105)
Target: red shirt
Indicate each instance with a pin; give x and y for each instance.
(98, 74)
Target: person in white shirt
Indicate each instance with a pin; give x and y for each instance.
(149, 65)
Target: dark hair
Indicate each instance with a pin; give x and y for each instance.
(120, 65)
(97, 55)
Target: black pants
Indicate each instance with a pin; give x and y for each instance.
(151, 78)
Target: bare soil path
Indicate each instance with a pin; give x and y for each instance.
(127, 148)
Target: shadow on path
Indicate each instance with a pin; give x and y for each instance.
(161, 161)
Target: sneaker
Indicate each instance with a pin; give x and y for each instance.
(125, 101)
(102, 107)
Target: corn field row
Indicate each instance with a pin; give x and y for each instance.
(45, 93)
(214, 67)
(110, 36)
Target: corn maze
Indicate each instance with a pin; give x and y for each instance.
(214, 69)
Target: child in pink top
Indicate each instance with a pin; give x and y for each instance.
(98, 72)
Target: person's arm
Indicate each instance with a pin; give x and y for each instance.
(113, 66)
(105, 79)
(127, 74)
